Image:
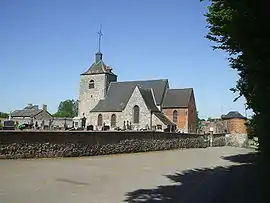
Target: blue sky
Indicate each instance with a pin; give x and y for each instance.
(45, 45)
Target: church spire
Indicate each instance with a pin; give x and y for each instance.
(99, 54)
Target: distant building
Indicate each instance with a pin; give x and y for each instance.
(235, 122)
(32, 113)
(231, 123)
(40, 118)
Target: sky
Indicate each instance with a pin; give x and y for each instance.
(46, 45)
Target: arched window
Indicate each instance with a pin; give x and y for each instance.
(113, 120)
(99, 121)
(136, 114)
(91, 84)
(175, 116)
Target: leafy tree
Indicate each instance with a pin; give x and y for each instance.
(239, 27)
(4, 115)
(198, 122)
(67, 108)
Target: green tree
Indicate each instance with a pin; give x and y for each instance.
(239, 28)
(67, 108)
(4, 115)
(198, 122)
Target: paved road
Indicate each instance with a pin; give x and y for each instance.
(167, 176)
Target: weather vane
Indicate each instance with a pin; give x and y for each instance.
(99, 37)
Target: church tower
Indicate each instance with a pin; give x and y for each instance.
(94, 84)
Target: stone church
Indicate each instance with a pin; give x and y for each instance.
(133, 105)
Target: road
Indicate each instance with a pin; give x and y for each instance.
(191, 175)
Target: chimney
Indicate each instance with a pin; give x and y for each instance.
(44, 107)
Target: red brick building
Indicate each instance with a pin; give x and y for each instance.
(180, 107)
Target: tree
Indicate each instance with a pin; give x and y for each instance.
(67, 108)
(239, 28)
(198, 122)
(4, 115)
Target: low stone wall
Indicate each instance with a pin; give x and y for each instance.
(219, 140)
(24, 144)
(40, 144)
(237, 140)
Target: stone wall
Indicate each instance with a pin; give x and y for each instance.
(38, 144)
(89, 98)
(145, 115)
(32, 144)
(219, 140)
(157, 123)
(237, 140)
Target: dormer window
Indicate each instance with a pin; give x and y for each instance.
(91, 84)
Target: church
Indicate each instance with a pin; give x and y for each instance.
(133, 105)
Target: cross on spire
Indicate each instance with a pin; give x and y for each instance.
(99, 37)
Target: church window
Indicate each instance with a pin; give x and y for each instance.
(91, 84)
(136, 114)
(99, 121)
(113, 120)
(175, 116)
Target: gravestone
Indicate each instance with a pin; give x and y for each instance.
(9, 125)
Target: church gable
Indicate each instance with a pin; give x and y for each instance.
(137, 111)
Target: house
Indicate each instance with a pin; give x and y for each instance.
(232, 123)
(32, 114)
(235, 122)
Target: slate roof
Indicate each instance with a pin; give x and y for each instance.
(98, 68)
(26, 112)
(163, 118)
(120, 92)
(175, 98)
(233, 114)
(148, 99)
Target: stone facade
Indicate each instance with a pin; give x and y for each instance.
(157, 124)
(145, 114)
(218, 126)
(95, 101)
(89, 97)
(126, 115)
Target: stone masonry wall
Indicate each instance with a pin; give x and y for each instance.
(126, 115)
(145, 115)
(23, 144)
(38, 144)
(156, 122)
(90, 97)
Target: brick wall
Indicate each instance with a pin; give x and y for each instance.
(237, 126)
(182, 120)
